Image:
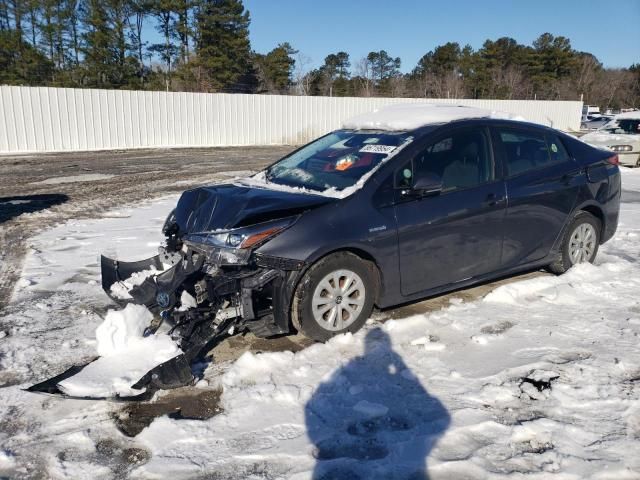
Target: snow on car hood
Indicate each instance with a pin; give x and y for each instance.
(409, 116)
(635, 115)
(600, 139)
(223, 207)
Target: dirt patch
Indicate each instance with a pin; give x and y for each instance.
(233, 347)
(181, 403)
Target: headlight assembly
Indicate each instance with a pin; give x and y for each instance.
(234, 246)
(621, 148)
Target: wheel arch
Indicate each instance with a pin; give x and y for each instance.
(358, 252)
(589, 207)
(594, 210)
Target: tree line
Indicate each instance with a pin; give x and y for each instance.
(204, 46)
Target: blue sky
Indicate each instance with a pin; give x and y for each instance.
(410, 28)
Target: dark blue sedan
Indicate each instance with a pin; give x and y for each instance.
(376, 214)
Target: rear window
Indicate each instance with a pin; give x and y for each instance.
(523, 150)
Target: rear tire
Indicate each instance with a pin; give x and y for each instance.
(335, 296)
(580, 243)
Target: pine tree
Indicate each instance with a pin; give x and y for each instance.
(105, 47)
(335, 73)
(21, 63)
(222, 44)
(275, 68)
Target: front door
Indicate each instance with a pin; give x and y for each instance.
(457, 234)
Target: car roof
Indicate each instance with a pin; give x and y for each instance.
(399, 117)
(481, 121)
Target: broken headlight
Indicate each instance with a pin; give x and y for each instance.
(234, 246)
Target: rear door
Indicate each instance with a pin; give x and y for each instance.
(456, 234)
(542, 182)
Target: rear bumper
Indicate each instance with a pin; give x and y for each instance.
(611, 205)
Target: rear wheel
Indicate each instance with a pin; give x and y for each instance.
(335, 296)
(580, 243)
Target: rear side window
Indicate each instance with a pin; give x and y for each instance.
(557, 151)
(525, 150)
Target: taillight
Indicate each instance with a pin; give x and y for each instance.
(613, 160)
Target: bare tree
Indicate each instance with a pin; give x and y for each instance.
(301, 77)
(364, 76)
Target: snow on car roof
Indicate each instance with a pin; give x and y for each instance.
(635, 115)
(409, 116)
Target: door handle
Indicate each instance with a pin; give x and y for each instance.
(494, 200)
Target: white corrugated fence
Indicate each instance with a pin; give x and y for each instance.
(43, 119)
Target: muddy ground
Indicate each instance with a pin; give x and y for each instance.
(60, 187)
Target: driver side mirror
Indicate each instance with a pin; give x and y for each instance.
(427, 184)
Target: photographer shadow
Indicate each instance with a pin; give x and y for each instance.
(373, 419)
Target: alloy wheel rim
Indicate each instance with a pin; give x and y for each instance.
(582, 243)
(338, 300)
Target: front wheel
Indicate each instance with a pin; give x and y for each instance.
(335, 296)
(580, 243)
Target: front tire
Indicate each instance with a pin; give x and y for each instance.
(580, 243)
(335, 296)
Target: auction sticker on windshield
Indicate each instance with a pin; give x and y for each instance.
(377, 149)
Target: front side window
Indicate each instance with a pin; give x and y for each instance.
(525, 150)
(336, 161)
(461, 160)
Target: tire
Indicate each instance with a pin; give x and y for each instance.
(580, 243)
(319, 310)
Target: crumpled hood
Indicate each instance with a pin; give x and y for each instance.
(223, 207)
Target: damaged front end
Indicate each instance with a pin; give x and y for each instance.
(208, 286)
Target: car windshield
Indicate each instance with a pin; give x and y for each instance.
(629, 126)
(337, 160)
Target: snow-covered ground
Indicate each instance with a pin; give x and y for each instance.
(541, 378)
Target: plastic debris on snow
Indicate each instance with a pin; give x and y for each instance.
(125, 355)
(121, 289)
(409, 116)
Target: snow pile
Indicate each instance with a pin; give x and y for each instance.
(409, 116)
(125, 355)
(121, 328)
